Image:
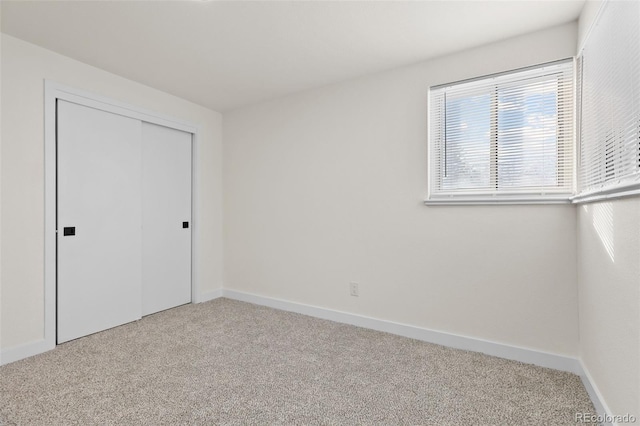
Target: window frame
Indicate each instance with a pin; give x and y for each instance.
(516, 196)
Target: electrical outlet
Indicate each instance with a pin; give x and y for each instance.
(353, 288)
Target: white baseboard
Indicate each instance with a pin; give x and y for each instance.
(529, 356)
(596, 397)
(209, 295)
(24, 351)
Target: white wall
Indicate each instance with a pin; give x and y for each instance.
(609, 290)
(24, 68)
(609, 276)
(587, 17)
(326, 187)
(0, 182)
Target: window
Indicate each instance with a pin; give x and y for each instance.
(609, 104)
(503, 138)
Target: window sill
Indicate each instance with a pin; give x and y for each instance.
(610, 193)
(493, 201)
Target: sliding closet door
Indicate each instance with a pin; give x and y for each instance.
(166, 218)
(99, 220)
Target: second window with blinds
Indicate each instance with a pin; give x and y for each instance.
(504, 138)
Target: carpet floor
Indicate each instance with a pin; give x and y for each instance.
(228, 362)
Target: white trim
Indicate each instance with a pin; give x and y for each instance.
(596, 397)
(495, 200)
(52, 92)
(210, 295)
(619, 190)
(430, 160)
(50, 177)
(577, 126)
(195, 217)
(524, 72)
(25, 351)
(529, 356)
(111, 105)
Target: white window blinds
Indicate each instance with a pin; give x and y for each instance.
(503, 137)
(609, 102)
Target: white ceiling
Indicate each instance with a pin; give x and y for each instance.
(225, 55)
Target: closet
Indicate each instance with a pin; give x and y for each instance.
(123, 219)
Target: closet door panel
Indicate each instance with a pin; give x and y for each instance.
(99, 220)
(166, 218)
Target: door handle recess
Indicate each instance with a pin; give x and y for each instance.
(69, 231)
(185, 224)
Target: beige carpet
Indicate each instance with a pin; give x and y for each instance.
(228, 362)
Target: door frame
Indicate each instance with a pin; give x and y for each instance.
(52, 92)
